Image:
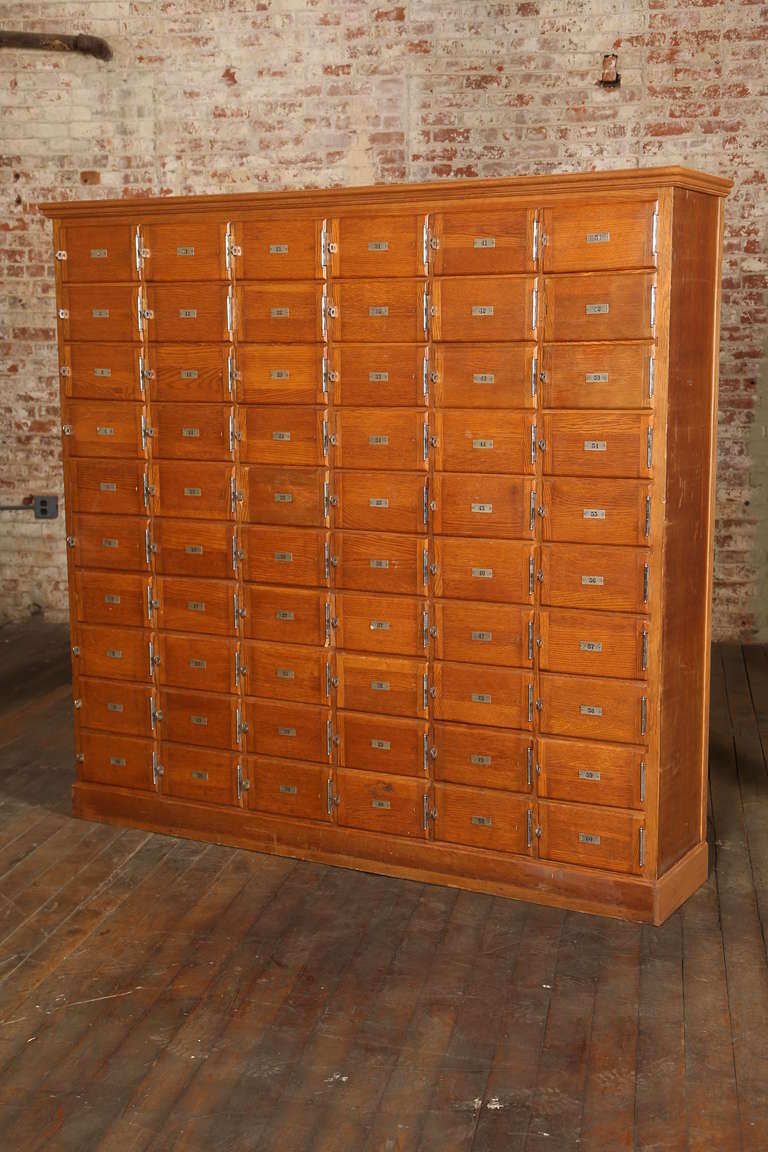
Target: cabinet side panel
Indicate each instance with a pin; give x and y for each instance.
(688, 528)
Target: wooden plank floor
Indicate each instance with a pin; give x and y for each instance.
(159, 994)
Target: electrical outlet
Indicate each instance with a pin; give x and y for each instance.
(46, 507)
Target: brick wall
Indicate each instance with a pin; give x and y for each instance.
(213, 95)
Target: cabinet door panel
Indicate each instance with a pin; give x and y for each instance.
(483, 308)
(383, 744)
(597, 236)
(381, 501)
(595, 511)
(477, 440)
(190, 372)
(102, 371)
(612, 306)
(279, 249)
(188, 313)
(111, 542)
(488, 633)
(382, 624)
(289, 730)
(484, 375)
(98, 252)
(99, 312)
(193, 431)
(199, 548)
(295, 496)
(111, 652)
(391, 804)
(499, 570)
(595, 708)
(203, 665)
(479, 694)
(593, 643)
(201, 774)
(287, 672)
(585, 576)
(280, 374)
(379, 311)
(185, 250)
(106, 430)
(287, 615)
(380, 374)
(118, 761)
(483, 242)
(197, 490)
(381, 438)
(280, 313)
(481, 818)
(115, 706)
(591, 837)
(198, 718)
(484, 505)
(188, 605)
(108, 486)
(383, 684)
(377, 245)
(597, 444)
(483, 757)
(379, 562)
(591, 773)
(288, 788)
(111, 598)
(596, 375)
(285, 435)
(281, 555)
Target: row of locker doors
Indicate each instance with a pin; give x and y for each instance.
(471, 241)
(593, 306)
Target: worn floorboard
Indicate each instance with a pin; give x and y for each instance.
(159, 995)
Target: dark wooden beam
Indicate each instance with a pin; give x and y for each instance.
(54, 42)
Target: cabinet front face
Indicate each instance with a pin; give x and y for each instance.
(370, 500)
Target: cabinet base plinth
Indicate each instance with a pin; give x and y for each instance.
(514, 877)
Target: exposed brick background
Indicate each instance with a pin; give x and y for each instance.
(212, 95)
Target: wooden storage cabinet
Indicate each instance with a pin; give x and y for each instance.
(389, 520)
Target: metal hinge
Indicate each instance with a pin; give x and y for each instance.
(642, 847)
(425, 441)
(332, 799)
(327, 621)
(328, 737)
(647, 515)
(644, 646)
(232, 373)
(240, 613)
(533, 443)
(533, 510)
(650, 446)
(535, 253)
(530, 575)
(425, 312)
(155, 713)
(147, 546)
(240, 726)
(425, 567)
(530, 766)
(234, 434)
(237, 553)
(157, 769)
(646, 579)
(425, 244)
(230, 314)
(235, 496)
(326, 499)
(240, 669)
(529, 822)
(425, 503)
(643, 714)
(153, 659)
(651, 374)
(149, 490)
(530, 639)
(655, 235)
(425, 375)
(429, 813)
(327, 559)
(653, 306)
(530, 703)
(642, 781)
(151, 604)
(325, 375)
(146, 432)
(424, 691)
(534, 363)
(424, 627)
(535, 309)
(243, 783)
(425, 751)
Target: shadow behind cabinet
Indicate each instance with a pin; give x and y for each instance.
(389, 525)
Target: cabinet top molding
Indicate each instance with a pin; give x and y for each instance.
(628, 181)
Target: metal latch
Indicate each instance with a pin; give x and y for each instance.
(243, 783)
(429, 812)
